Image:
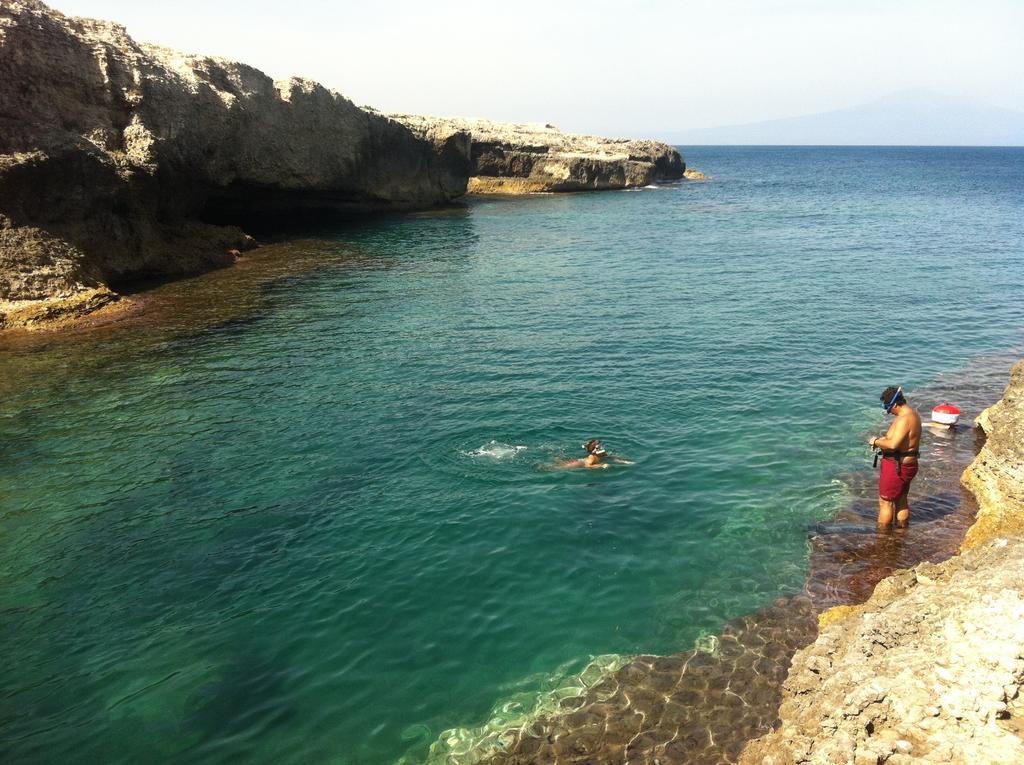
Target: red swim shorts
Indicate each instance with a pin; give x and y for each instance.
(892, 485)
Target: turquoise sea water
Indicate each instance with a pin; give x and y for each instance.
(327, 528)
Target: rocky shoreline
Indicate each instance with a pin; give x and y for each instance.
(122, 161)
(525, 159)
(930, 668)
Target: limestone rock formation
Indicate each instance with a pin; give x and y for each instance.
(520, 159)
(996, 477)
(929, 669)
(115, 156)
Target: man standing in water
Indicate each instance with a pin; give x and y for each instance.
(899, 448)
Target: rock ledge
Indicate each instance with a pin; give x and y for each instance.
(116, 158)
(996, 476)
(521, 159)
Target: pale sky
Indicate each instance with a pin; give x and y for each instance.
(640, 68)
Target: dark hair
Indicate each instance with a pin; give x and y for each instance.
(887, 397)
(589, 445)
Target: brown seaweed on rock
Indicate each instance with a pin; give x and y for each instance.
(120, 160)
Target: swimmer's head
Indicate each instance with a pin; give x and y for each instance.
(595, 447)
(891, 397)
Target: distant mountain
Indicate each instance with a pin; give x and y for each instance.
(907, 118)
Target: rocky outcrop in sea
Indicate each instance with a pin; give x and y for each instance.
(930, 668)
(121, 160)
(523, 159)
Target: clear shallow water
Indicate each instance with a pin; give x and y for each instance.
(265, 535)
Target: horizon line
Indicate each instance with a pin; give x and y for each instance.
(857, 145)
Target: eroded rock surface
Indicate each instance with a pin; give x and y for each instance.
(521, 159)
(996, 477)
(928, 670)
(114, 153)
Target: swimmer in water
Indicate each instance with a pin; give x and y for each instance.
(597, 457)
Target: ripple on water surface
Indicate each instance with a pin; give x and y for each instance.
(276, 517)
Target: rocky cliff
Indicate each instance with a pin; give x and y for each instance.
(996, 477)
(117, 159)
(929, 669)
(521, 159)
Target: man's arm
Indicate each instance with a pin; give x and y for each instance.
(895, 437)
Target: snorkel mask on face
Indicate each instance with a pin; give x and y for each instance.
(594, 447)
(892, 402)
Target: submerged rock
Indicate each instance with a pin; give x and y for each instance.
(521, 159)
(115, 155)
(698, 706)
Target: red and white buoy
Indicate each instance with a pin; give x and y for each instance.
(945, 414)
